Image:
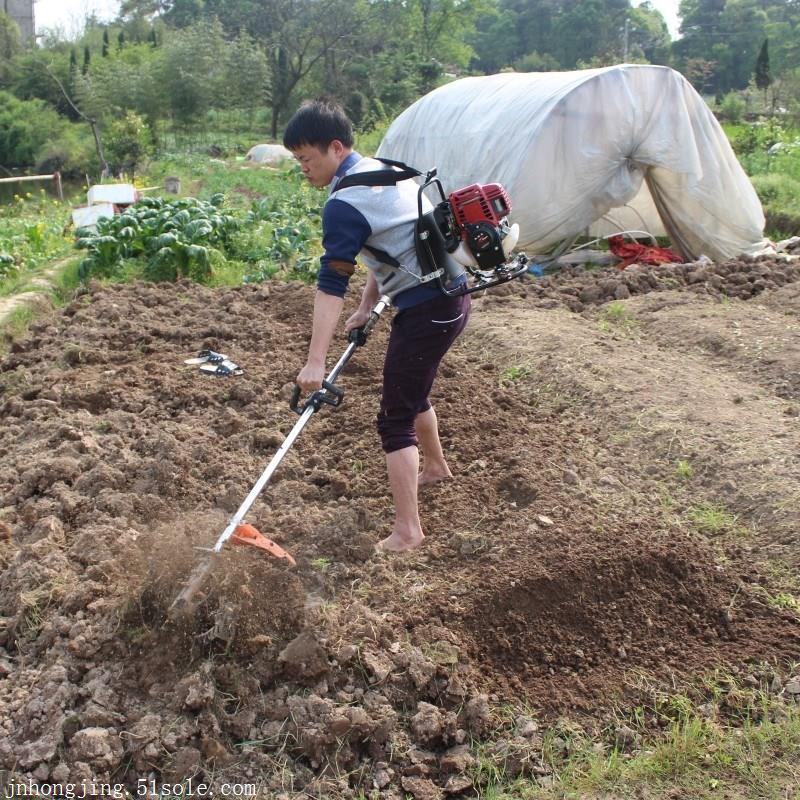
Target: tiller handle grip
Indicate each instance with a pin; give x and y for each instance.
(329, 394)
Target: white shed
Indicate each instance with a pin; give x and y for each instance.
(628, 147)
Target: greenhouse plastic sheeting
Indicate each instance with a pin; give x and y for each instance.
(628, 147)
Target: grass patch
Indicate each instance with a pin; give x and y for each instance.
(514, 373)
(17, 323)
(712, 519)
(683, 469)
(67, 280)
(785, 600)
(32, 234)
(738, 743)
(615, 316)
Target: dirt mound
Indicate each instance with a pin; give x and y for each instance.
(742, 278)
(552, 566)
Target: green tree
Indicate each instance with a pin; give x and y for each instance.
(783, 30)
(552, 34)
(590, 29)
(33, 132)
(10, 48)
(536, 62)
(246, 77)
(184, 13)
(700, 73)
(762, 75)
(535, 24)
(742, 34)
(105, 43)
(441, 28)
(649, 38)
(87, 59)
(302, 33)
(497, 40)
(126, 80)
(725, 33)
(192, 72)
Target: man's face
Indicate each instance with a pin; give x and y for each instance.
(318, 166)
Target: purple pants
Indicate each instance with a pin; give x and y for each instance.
(420, 337)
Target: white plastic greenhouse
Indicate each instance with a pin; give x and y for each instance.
(628, 147)
(268, 154)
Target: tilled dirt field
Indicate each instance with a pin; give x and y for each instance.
(569, 564)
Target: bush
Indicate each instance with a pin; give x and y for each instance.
(779, 192)
(33, 134)
(732, 107)
(25, 125)
(780, 196)
(72, 153)
(128, 140)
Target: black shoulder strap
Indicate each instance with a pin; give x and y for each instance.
(383, 177)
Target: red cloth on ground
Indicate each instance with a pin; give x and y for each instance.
(635, 253)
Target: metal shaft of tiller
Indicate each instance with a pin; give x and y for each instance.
(237, 530)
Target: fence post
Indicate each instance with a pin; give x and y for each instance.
(59, 189)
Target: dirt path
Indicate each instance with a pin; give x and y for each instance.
(564, 561)
(37, 298)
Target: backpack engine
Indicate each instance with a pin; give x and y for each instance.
(480, 235)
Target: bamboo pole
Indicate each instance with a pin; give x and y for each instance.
(56, 176)
(22, 178)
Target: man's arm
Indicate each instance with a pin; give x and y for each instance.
(327, 308)
(368, 299)
(344, 231)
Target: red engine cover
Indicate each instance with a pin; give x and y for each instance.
(477, 203)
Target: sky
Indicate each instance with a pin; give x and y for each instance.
(69, 14)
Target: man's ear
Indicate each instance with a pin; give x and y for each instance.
(337, 147)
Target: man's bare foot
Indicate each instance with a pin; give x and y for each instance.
(398, 542)
(427, 478)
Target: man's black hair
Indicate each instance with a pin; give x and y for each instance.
(318, 123)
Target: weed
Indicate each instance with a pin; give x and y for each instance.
(515, 373)
(684, 470)
(667, 501)
(615, 316)
(785, 600)
(615, 311)
(35, 604)
(321, 564)
(712, 519)
(784, 575)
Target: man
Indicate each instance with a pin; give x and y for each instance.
(427, 321)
